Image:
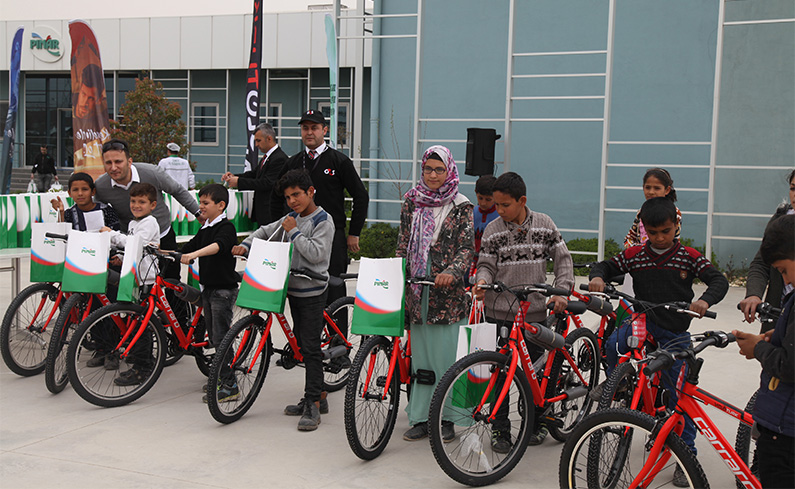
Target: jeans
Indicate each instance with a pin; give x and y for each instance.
(617, 344)
(43, 181)
(217, 319)
(308, 321)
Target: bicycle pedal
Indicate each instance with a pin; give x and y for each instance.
(381, 381)
(551, 421)
(279, 363)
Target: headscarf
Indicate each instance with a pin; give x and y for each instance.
(425, 199)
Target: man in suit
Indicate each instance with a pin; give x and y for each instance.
(264, 176)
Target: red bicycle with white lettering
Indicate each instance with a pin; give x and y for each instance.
(623, 448)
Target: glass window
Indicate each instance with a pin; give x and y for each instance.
(204, 121)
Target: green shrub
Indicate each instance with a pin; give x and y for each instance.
(378, 240)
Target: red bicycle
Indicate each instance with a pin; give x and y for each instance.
(494, 396)
(246, 350)
(141, 342)
(619, 448)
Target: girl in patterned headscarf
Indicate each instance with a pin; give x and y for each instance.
(437, 240)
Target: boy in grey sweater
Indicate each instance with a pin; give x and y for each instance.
(514, 251)
(311, 231)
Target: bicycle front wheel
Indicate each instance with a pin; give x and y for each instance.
(583, 347)
(55, 376)
(483, 450)
(371, 406)
(608, 450)
(101, 331)
(620, 388)
(26, 329)
(238, 369)
(335, 370)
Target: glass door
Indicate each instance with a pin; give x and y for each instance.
(65, 144)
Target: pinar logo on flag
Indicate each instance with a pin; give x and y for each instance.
(90, 121)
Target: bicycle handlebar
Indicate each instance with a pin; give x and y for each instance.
(678, 307)
(663, 359)
(57, 236)
(175, 256)
(766, 312)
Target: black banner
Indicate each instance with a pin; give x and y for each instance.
(252, 85)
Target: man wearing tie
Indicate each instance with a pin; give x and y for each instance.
(264, 176)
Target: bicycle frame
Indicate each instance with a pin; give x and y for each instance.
(55, 308)
(288, 332)
(399, 360)
(687, 405)
(516, 349)
(157, 299)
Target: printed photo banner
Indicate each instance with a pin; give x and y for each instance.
(379, 307)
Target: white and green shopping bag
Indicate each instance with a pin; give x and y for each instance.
(129, 278)
(47, 254)
(379, 307)
(86, 267)
(264, 286)
(469, 390)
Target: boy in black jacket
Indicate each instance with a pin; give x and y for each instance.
(212, 245)
(774, 411)
(662, 270)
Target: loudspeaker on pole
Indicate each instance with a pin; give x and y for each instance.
(480, 151)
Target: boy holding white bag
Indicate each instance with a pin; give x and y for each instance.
(143, 200)
(311, 231)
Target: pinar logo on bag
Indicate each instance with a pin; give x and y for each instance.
(49, 241)
(89, 251)
(270, 264)
(381, 283)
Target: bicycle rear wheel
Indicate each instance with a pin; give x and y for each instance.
(238, 369)
(143, 365)
(583, 347)
(55, 375)
(608, 450)
(335, 370)
(470, 457)
(371, 408)
(26, 329)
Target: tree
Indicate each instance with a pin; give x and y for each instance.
(149, 122)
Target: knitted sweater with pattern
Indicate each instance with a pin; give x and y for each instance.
(517, 255)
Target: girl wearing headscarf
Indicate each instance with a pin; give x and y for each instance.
(437, 240)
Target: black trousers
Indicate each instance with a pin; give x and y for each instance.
(307, 315)
(337, 266)
(173, 271)
(775, 454)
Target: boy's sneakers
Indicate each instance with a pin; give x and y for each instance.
(112, 361)
(311, 417)
(537, 438)
(100, 359)
(298, 409)
(500, 441)
(130, 377)
(225, 393)
(680, 479)
(416, 432)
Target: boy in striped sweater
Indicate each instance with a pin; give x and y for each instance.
(514, 251)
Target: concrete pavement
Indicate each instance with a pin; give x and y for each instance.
(168, 438)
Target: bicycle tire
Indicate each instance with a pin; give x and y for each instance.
(55, 376)
(95, 384)
(238, 350)
(336, 370)
(583, 346)
(607, 450)
(23, 348)
(620, 387)
(473, 431)
(745, 445)
(369, 417)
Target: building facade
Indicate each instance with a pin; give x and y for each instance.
(586, 94)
